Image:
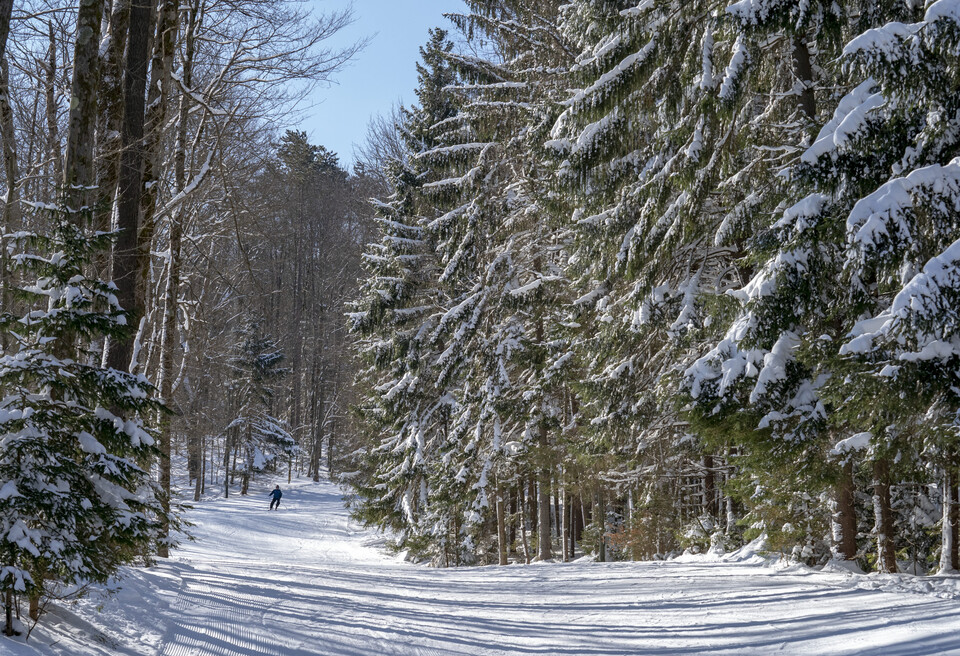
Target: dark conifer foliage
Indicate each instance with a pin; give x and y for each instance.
(76, 501)
(679, 275)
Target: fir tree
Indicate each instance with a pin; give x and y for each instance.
(76, 502)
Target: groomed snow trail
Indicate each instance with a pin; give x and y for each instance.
(302, 581)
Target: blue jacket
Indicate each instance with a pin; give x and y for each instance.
(276, 494)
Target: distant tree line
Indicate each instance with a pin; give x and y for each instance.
(662, 275)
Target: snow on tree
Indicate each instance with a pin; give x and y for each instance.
(902, 244)
(258, 433)
(395, 319)
(808, 389)
(666, 158)
(469, 209)
(76, 501)
(507, 325)
(663, 288)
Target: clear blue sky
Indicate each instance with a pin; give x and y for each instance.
(384, 73)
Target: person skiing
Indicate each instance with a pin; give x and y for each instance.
(275, 498)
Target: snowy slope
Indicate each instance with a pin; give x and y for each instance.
(306, 581)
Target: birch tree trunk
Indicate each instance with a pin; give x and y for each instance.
(947, 563)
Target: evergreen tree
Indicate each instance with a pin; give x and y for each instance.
(76, 501)
(405, 403)
(646, 150)
(780, 358)
(503, 254)
(615, 289)
(473, 173)
(260, 435)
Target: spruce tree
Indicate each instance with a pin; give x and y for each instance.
(405, 404)
(779, 360)
(643, 149)
(509, 322)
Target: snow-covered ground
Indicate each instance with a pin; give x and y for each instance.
(307, 581)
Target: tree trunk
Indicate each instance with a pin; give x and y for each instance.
(330, 452)
(521, 518)
(531, 504)
(11, 169)
(128, 191)
(574, 503)
(317, 435)
(11, 202)
(731, 516)
(511, 515)
(167, 341)
(501, 526)
(586, 517)
(602, 519)
(198, 486)
(555, 509)
(248, 464)
(158, 94)
(845, 522)
(709, 487)
(236, 454)
(8, 613)
(6, 13)
(947, 563)
(227, 448)
(49, 86)
(78, 170)
(186, 77)
(804, 73)
(883, 516)
(955, 522)
(544, 548)
(456, 538)
(110, 128)
(565, 527)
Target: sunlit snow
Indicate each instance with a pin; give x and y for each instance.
(308, 581)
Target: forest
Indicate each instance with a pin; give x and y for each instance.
(670, 275)
(174, 266)
(629, 278)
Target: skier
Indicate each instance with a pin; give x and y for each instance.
(275, 498)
